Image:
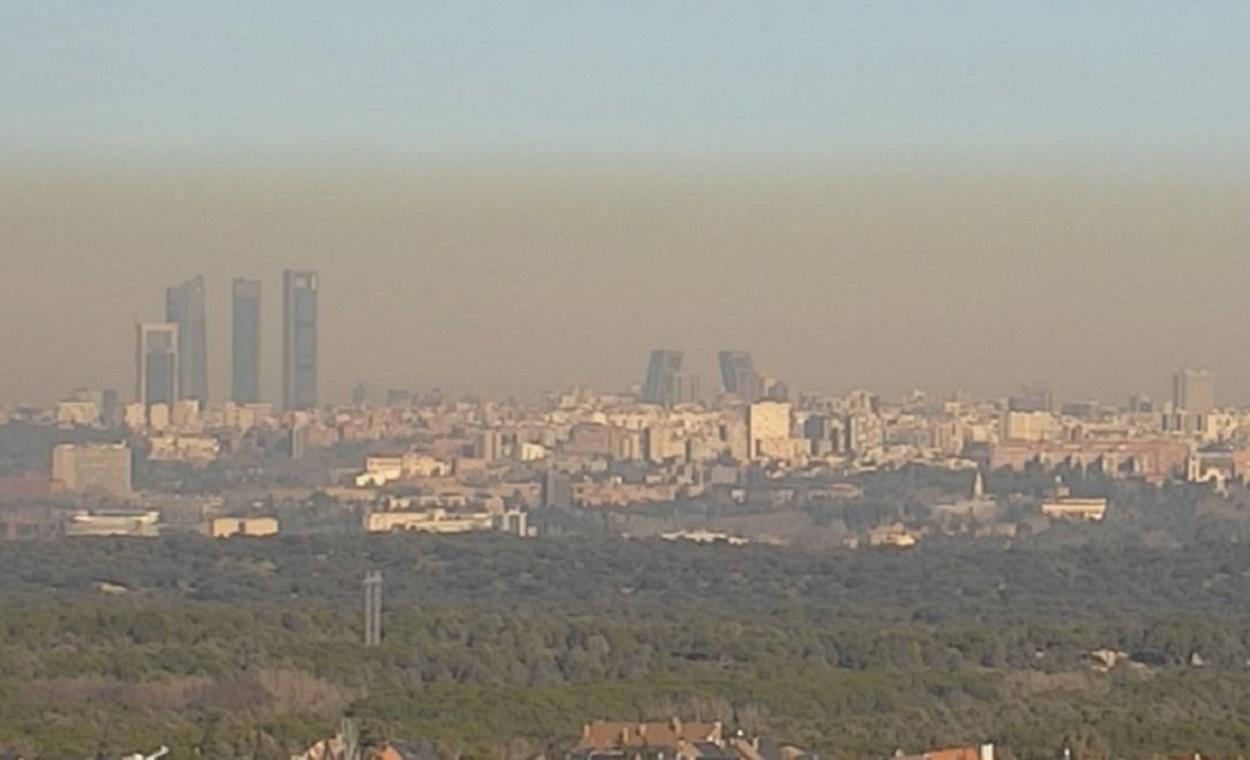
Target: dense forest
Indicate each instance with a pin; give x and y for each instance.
(503, 647)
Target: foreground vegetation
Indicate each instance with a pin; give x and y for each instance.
(497, 646)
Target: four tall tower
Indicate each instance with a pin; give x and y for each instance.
(171, 357)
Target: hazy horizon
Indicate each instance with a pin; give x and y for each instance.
(505, 198)
(500, 282)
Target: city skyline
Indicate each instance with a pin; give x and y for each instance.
(709, 381)
(838, 328)
(889, 197)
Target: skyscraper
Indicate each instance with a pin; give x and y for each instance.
(738, 376)
(1193, 391)
(733, 365)
(245, 341)
(184, 306)
(299, 339)
(156, 363)
(660, 384)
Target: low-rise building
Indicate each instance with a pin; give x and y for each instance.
(1071, 508)
(443, 522)
(128, 522)
(227, 527)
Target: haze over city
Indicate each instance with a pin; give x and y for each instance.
(657, 380)
(1009, 201)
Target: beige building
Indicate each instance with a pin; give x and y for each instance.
(1027, 427)
(77, 413)
(226, 527)
(768, 428)
(443, 522)
(93, 467)
(615, 493)
(1069, 508)
(142, 523)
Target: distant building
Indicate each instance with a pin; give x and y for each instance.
(245, 341)
(256, 527)
(77, 413)
(673, 738)
(1155, 459)
(768, 426)
(1193, 391)
(441, 521)
(116, 522)
(1032, 399)
(156, 363)
(1026, 426)
(488, 445)
(660, 386)
(557, 490)
(735, 368)
(1070, 508)
(93, 467)
(184, 306)
(299, 339)
(192, 449)
(975, 752)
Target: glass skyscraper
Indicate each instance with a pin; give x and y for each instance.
(299, 339)
(156, 363)
(184, 306)
(245, 341)
(660, 384)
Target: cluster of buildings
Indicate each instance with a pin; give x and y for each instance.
(446, 466)
(171, 357)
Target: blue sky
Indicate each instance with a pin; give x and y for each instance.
(996, 81)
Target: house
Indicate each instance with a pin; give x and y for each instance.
(403, 750)
(973, 752)
(673, 739)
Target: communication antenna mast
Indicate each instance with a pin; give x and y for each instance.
(373, 608)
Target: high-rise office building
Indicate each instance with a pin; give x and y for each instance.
(734, 367)
(660, 384)
(184, 306)
(738, 376)
(245, 341)
(156, 363)
(299, 339)
(1193, 391)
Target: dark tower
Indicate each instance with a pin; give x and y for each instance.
(184, 306)
(245, 341)
(299, 339)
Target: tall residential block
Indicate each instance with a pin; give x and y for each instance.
(93, 467)
(245, 341)
(184, 306)
(156, 363)
(299, 339)
(1193, 391)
